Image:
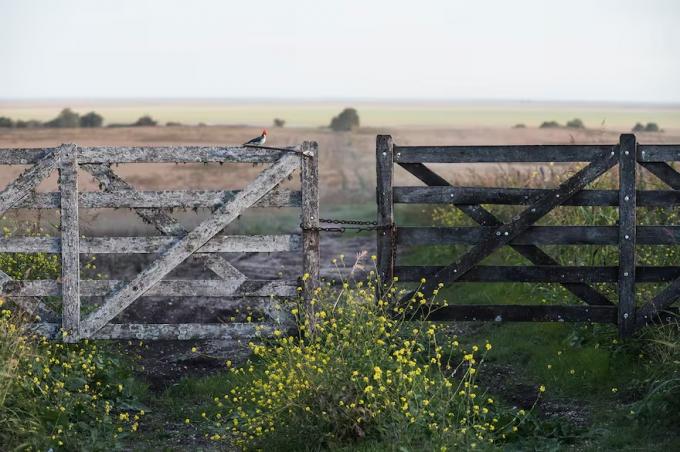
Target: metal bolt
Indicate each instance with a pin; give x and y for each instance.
(626, 237)
(533, 210)
(612, 152)
(626, 152)
(625, 315)
(384, 153)
(558, 196)
(498, 232)
(505, 233)
(626, 198)
(398, 154)
(625, 273)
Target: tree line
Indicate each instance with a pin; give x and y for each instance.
(68, 118)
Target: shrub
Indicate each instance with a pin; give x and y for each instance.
(365, 372)
(30, 124)
(550, 125)
(6, 122)
(639, 127)
(278, 122)
(652, 127)
(145, 121)
(56, 396)
(519, 126)
(348, 119)
(91, 119)
(66, 118)
(576, 124)
(173, 124)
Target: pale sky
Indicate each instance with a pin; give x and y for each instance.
(318, 49)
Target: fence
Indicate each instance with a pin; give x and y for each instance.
(172, 248)
(524, 237)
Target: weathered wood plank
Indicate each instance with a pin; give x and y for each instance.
(151, 245)
(152, 154)
(524, 196)
(167, 331)
(650, 311)
(658, 153)
(165, 288)
(187, 199)
(543, 274)
(538, 235)
(384, 157)
(525, 313)
(26, 182)
(498, 154)
(159, 219)
(665, 173)
(174, 255)
(70, 252)
(507, 232)
(627, 234)
(309, 180)
(486, 218)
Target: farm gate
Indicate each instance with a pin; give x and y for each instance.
(174, 245)
(524, 237)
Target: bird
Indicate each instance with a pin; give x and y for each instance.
(258, 141)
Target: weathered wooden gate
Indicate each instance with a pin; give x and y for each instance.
(174, 246)
(523, 236)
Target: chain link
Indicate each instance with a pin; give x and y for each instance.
(356, 225)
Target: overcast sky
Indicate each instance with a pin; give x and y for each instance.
(539, 50)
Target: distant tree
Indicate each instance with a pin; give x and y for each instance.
(6, 122)
(652, 127)
(278, 122)
(519, 126)
(30, 124)
(576, 124)
(145, 121)
(346, 120)
(638, 127)
(550, 125)
(173, 124)
(91, 119)
(67, 118)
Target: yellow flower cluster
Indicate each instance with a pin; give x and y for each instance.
(360, 367)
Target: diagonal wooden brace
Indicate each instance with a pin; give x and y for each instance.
(507, 232)
(485, 218)
(13, 194)
(650, 310)
(123, 296)
(167, 225)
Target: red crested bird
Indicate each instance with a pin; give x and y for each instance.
(259, 141)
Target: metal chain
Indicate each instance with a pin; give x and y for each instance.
(357, 225)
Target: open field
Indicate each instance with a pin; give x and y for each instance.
(459, 114)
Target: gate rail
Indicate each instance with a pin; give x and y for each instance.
(524, 237)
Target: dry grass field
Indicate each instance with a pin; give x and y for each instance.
(347, 163)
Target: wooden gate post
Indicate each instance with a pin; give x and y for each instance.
(70, 239)
(627, 237)
(309, 181)
(384, 159)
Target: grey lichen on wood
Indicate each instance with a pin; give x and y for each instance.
(70, 253)
(174, 255)
(309, 179)
(166, 288)
(149, 245)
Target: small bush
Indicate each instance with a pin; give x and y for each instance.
(67, 118)
(145, 121)
(6, 122)
(91, 119)
(278, 122)
(638, 127)
(30, 124)
(173, 124)
(576, 124)
(519, 126)
(364, 372)
(652, 127)
(550, 125)
(348, 119)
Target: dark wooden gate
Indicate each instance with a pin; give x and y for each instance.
(524, 237)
